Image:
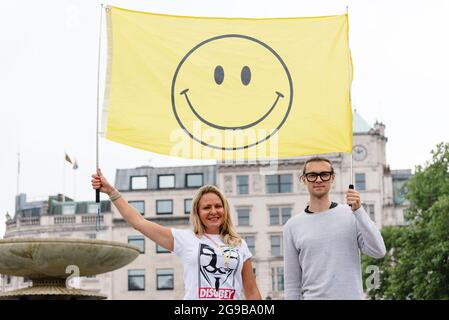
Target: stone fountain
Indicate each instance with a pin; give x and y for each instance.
(48, 262)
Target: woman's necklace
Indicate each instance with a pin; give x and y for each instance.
(222, 248)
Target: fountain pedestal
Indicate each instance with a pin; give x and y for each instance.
(48, 262)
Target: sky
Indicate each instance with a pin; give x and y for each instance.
(48, 80)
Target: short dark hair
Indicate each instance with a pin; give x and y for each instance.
(317, 159)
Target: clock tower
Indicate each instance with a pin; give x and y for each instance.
(372, 176)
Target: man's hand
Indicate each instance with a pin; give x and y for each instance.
(353, 199)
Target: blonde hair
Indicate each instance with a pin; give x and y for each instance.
(227, 231)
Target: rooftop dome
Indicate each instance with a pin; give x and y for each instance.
(359, 125)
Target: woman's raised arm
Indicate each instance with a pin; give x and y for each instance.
(159, 234)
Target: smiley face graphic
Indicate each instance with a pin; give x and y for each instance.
(232, 83)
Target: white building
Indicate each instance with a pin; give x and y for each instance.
(262, 198)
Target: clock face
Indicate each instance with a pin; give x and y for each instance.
(359, 152)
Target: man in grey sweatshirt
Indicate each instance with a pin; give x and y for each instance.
(322, 243)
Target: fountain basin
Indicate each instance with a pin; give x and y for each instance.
(49, 261)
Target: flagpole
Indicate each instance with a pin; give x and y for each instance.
(351, 175)
(74, 183)
(63, 178)
(97, 191)
(18, 158)
(18, 172)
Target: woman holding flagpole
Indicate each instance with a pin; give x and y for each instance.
(216, 260)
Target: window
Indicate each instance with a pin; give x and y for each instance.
(279, 183)
(136, 280)
(280, 278)
(369, 208)
(92, 208)
(160, 249)
(243, 217)
(242, 185)
(165, 279)
(399, 191)
(274, 216)
(276, 250)
(285, 183)
(279, 216)
(164, 206)
(166, 181)
(138, 241)
(251, 242)
(8, 279)
(139, 205)
(187, 206)
(194, 180)
(68, 209)
(277, 278)
(27, 213)
(139, 182)
(272, 183)
(92, 236)
(286, 214)
(360, 183)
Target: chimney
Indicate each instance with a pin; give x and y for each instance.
(379, 128)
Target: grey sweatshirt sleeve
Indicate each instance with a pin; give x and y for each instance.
(369, 238)
(292, 268)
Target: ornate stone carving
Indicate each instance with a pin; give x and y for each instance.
(228, 185)
(257, 183)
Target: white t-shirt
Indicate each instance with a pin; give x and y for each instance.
(210, 272)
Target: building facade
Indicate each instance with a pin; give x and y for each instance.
(262, 196)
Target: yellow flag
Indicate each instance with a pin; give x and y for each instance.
(228, 88)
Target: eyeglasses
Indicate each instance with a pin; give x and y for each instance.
(312, 176)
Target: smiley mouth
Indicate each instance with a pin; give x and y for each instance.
(278, 96)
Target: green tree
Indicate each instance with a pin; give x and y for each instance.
(416, 265)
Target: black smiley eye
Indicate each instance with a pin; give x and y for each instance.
(219, 74)
(246, 75)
